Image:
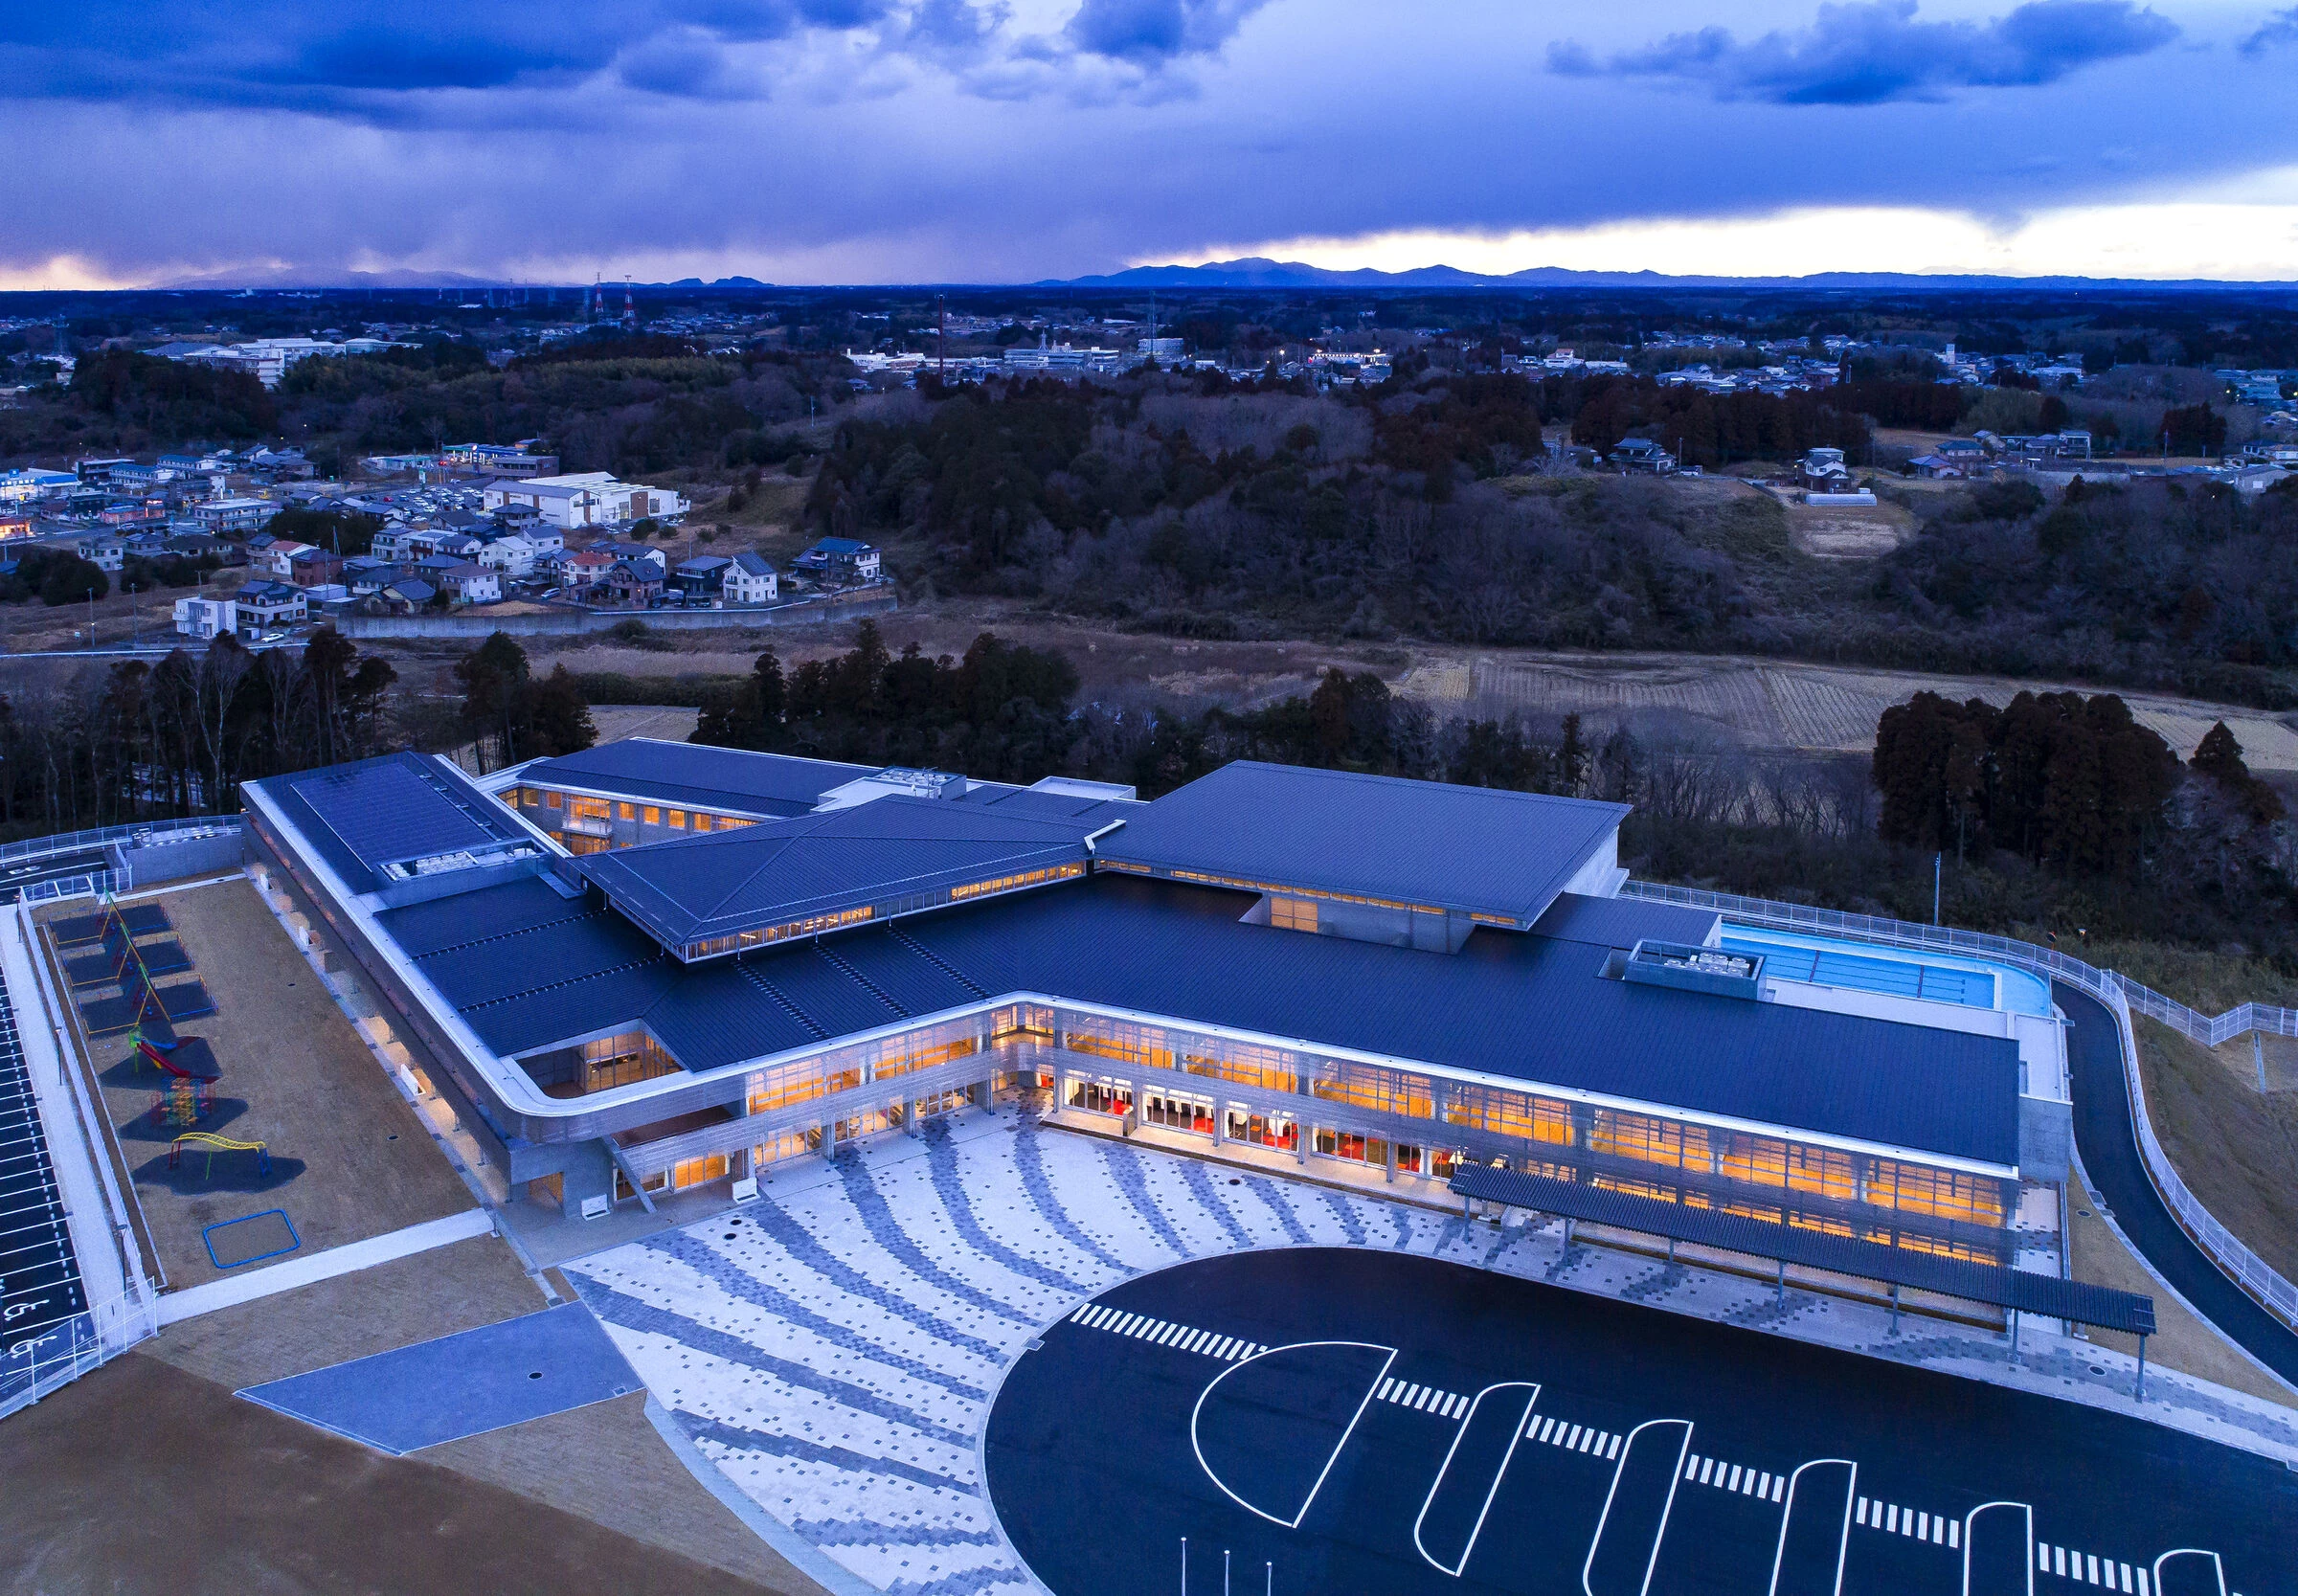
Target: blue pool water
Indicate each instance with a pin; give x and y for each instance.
(1865, 967)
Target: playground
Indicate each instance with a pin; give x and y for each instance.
(236, 1086)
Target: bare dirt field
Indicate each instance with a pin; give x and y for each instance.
(295, 1077)
(603, 1462)
(1770, 705)
(146, 1477)
(1855, 532)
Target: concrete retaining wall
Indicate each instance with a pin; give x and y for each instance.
(568, 622)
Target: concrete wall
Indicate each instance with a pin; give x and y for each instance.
(161, 859)
(574, 622)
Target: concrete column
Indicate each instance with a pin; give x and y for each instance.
(909, 1117)
(1220, 1123)
(1391, 1143)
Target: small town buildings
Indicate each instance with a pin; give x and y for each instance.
(472, 583)
(261, 607)
(204, 619)
(749, 580)
(226, 516)
(701, 577)
(628, 586)
(587, 499)
(839, 559)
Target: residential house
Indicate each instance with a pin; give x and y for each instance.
(134, 512)
(585, 568)
(204, 619)
(654, 559)
(1641, 456)
(314, 567)
(628, 586)
(104, 554)
(514, 556)
(701, 577)
(227, 516)
(749, 580)
(267, 606)
(280, 558)
(839, 559)
(13, 524)
(402, 596)
(472, 583)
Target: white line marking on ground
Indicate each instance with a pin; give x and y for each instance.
(1196, 1411)
(1516, 1433)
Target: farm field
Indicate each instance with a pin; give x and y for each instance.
(1774, 704)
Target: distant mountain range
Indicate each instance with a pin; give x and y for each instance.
(1260, 272)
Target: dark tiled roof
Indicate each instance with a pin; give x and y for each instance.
(731, 779)
(1421, 843)
(1508, 1005)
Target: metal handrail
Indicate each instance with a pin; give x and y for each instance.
(2120, 995)
(33, 847)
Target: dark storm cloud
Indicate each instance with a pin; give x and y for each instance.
(348, 57)
(1869, 54)
(1152, 30)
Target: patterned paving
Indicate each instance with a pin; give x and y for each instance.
(833, 1349)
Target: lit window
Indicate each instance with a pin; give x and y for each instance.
(678, 819)
(654, 816)
(1292, 914)
(555, 801)
(701, 821)
(630, 811)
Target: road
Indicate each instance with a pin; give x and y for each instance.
(2108, 1142)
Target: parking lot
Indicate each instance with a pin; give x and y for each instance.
(1336, 1420)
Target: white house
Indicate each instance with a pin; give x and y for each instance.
(280, 558)
(586, 499)
(513, 554)
(471, 583)
(749, 580)
(223, 516)
(204, 619)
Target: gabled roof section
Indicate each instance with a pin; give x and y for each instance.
(709, 895)
(731, 779)
(1420, 844)
(381, 820)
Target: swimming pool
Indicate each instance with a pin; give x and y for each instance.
(1868, 967)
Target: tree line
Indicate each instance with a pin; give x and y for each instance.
(176, 738)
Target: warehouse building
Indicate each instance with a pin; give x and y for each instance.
(651, 966)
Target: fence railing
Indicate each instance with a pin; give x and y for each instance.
(30, 1367)
(35, 847)
(2121, 996)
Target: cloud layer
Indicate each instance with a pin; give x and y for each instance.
(983, 140)
(1866, 54)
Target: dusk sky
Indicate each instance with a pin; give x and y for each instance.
(873, 140)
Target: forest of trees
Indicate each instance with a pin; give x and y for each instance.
(178, 737)
(2055, 811)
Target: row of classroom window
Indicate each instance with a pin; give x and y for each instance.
(576, 806)
(1900, 1186)
(1892, 1184)
(814, 924)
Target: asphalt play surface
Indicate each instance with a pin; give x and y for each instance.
(1338, 1421)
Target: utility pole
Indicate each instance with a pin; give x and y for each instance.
(1938, 868)
(942, 338)
(91, 619)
